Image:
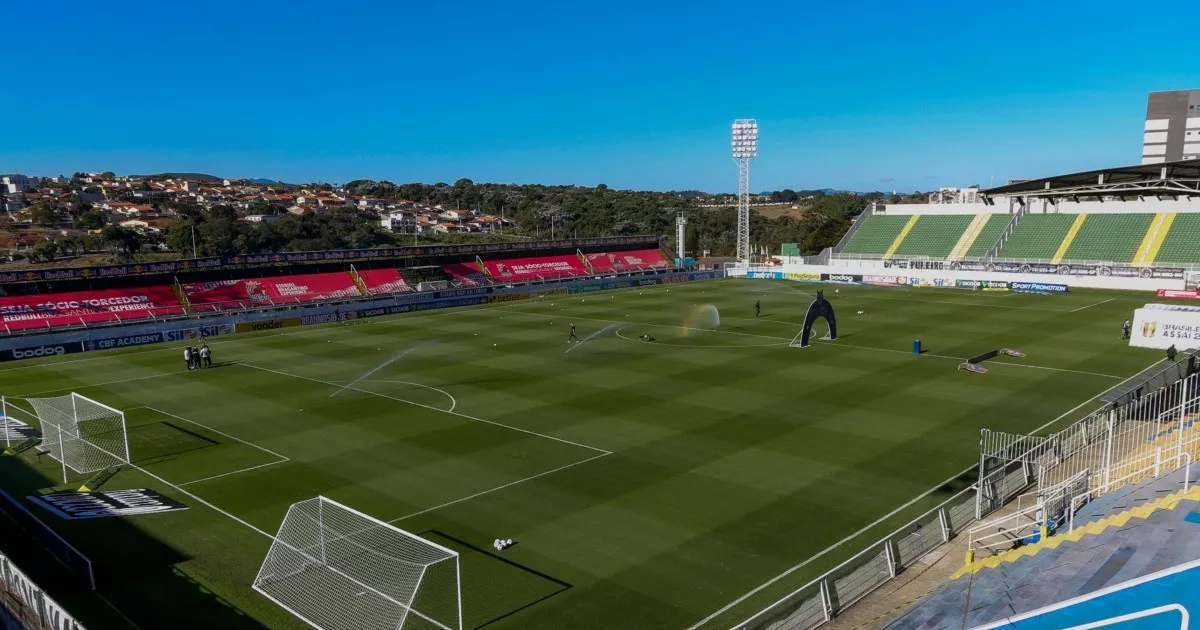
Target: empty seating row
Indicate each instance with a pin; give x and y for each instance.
(628, 261)
(1108, 237)
(1182, 244)
(249, 292)
(934, 235)
(1037, 236)
(875, 234)
(23, 312)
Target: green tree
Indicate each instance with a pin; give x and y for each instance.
(124, 242)
(90, 220)
(44, 213)
(44, 251)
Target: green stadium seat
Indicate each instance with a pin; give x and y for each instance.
(989, 235)
(876, 234)
(1109, 237)
(1037, 236)
(1182, 244)
(934, 235)
(790, 249)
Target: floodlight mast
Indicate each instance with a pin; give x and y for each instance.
(745, 148)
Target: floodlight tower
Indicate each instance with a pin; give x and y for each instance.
(745, 148)
(680, 228)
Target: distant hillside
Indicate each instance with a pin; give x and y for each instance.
(200, 177)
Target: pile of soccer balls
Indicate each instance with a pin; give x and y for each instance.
(501, 544)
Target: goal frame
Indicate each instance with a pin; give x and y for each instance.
(408, 608)
(61, 453)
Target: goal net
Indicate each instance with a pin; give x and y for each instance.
(339, 569)
(82, 434)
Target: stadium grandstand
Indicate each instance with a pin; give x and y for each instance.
(1144, 216)
(35, 304)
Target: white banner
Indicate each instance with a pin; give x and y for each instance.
(1156, 327)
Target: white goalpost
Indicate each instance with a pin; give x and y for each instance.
(339, 569)
(84, 435)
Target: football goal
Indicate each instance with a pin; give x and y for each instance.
(82, 434)
(339, 569)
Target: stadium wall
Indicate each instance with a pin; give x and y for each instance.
(939, 277)
(70, 342)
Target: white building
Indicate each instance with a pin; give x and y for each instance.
(18, 183)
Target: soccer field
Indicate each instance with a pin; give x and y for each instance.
(646, 485)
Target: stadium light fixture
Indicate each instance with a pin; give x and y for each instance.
(744, 145)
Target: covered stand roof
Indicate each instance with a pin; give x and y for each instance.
(1179, 179)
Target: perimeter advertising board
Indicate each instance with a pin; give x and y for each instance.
(1164, 325)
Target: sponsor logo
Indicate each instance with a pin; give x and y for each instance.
(511, 297)
(82, 505)
(1149, 329)
(1179, 294)
(802, 276)
(672, 280)
(835, 277)
(968, 284)
(1038, 287)
(267, 324)
(43, 351)
(389, 310)
(888, 280)
(122, 342)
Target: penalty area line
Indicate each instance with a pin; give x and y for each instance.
(1091, 305)
(501, 487)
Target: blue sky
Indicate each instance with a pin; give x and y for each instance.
(864, 95)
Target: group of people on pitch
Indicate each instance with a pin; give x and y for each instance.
(198, 358)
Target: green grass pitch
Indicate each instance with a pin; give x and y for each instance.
(646, 484)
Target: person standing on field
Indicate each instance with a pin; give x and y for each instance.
(1125, 328)
(205, 356)
(757, 308)
(187, 357)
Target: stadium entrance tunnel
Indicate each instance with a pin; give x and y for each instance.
(819, 309)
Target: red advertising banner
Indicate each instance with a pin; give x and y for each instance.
(65, 309)
(260, 291)
(1179, 294)
(383, 281)
(519, 269)
(628, 261)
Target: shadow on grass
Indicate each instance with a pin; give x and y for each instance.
(138, 582)
(517, 587)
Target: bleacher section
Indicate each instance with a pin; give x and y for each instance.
(628, 261)
(464, 275)
(1037, 236)
(934, 235)
(87, 307)
(876, 234)
(266, 291)
(1182, 244)
(530, 269)
(414, 276)
(989, 235)
(1123, 535)
(1109, 237)
(383, 281)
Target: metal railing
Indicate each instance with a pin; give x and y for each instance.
(1067, 469)
(29, 604)
(825, 597)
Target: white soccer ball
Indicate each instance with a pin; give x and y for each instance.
(836, 290)
(860, 312)
(508, 542)
(494, 345)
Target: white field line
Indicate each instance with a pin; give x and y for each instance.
(218, 432)
(943, 356)
(75, 387)
(498, 488)
(202, 501)
(236, 472)
(424, 406)
(1091, 305)
(883, 518)
(453, 400)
